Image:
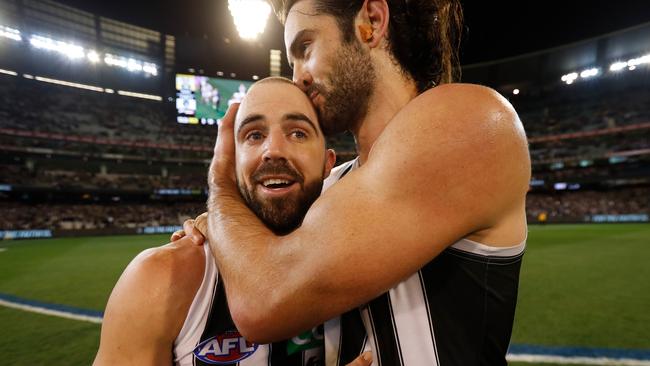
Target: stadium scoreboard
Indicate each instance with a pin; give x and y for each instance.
(204, 100)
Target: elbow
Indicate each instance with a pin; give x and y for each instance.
(253, 321)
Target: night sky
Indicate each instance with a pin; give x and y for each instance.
(495, 29)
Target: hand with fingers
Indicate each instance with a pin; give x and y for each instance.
(196, 228)
(221, 177)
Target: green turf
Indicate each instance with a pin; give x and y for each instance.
(581, 285)
(585, 285)
(34, 339)
(71, 271)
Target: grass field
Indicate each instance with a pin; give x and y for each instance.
(581, 285)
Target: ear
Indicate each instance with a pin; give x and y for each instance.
(372, 22)
(330, 160)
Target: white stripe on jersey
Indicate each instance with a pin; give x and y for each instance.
(409, 308)
(470, 246)
(332, 341)
(368, 322)
(190, 335)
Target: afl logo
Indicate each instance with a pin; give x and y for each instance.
(224, 349)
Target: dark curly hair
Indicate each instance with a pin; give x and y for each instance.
(423, 35)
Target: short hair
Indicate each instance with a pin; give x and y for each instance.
(423, 35)
(279, 79)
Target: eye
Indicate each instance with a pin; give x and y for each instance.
(298, 134)
(254, 136)
(303, 47)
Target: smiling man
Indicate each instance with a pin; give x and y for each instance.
(169, 306)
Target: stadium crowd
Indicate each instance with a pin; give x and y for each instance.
(83, 140)
(578, 205)
(22, 216)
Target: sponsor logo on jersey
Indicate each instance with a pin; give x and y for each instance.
(224, 349)
(307, 340)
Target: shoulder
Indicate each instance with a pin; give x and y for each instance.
(148, 306)
(458, 116)
(465, 106)
(461, 139)
(167, 277)
(470, 95)
(178, 262)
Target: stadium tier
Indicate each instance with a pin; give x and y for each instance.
(78, 150)
(78, 140)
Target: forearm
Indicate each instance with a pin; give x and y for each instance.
(262, 275)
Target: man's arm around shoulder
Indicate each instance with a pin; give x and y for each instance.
(451, 164)
(148, 305)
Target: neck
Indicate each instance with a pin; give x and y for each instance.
(392, 92)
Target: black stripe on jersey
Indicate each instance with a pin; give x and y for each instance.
(279, 355)
(352, 338)
(385, 332)
(347, 170)
(392, 318)
(219, 319)
(472, 302)
(426, 302)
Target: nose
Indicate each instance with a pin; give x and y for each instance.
(301, 76)
(275, 147)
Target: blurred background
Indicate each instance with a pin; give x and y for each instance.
(108, 119)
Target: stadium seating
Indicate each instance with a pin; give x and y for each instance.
(593, 142)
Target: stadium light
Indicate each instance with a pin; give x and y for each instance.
(131, 64)
(570, 78)
(250, 17)
(93, 56)
(68, 49)
(589, 73)
(639, 61)
(631, 64)
(515, 92)
(617, 66)
(8, 72)
(139, 95)
(70, 84)
(11, 33)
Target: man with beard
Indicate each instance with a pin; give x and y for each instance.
(424, 232)
(169, 306)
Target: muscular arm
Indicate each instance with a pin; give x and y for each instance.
(148, 305)
(454, 163)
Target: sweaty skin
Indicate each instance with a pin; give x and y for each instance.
(447, 164)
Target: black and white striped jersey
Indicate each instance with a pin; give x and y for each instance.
(457, 310)
(209, 335)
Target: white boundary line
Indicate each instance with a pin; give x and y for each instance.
(576, 360)
(59, 313)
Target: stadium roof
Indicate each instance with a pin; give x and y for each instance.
(207, 39)
(493, 31)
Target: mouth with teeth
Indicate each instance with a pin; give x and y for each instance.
(277, 186)
(276, 183)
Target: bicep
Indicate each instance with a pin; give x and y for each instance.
(417, 194)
